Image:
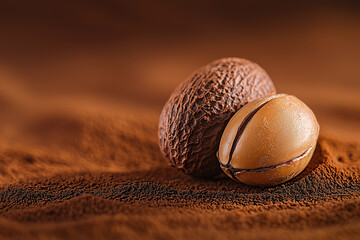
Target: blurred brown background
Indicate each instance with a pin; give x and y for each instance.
(139, 51)
(82, 84)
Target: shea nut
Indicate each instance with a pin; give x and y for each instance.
(269, 141)
(194, 117)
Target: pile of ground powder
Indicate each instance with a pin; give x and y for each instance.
(108, 179)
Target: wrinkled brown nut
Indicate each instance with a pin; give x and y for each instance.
(269, 141)
(192, 120)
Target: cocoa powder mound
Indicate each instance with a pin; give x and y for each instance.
(111, 182)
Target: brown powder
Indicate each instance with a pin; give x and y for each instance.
(71, 173)
(108, 180)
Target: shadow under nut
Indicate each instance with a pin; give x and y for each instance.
(194, 117)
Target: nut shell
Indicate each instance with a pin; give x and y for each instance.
(269, 141)
(192, 120)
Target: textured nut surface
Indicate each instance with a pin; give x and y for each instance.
(269, 141)
(197, 112)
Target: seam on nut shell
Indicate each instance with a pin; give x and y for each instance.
(242, 126)
(233, 170)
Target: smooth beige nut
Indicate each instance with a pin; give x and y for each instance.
(269, 141)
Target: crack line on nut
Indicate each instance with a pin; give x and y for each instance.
(242, 128)
(233, 170)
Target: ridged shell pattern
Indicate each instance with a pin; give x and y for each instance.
(193, 119)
